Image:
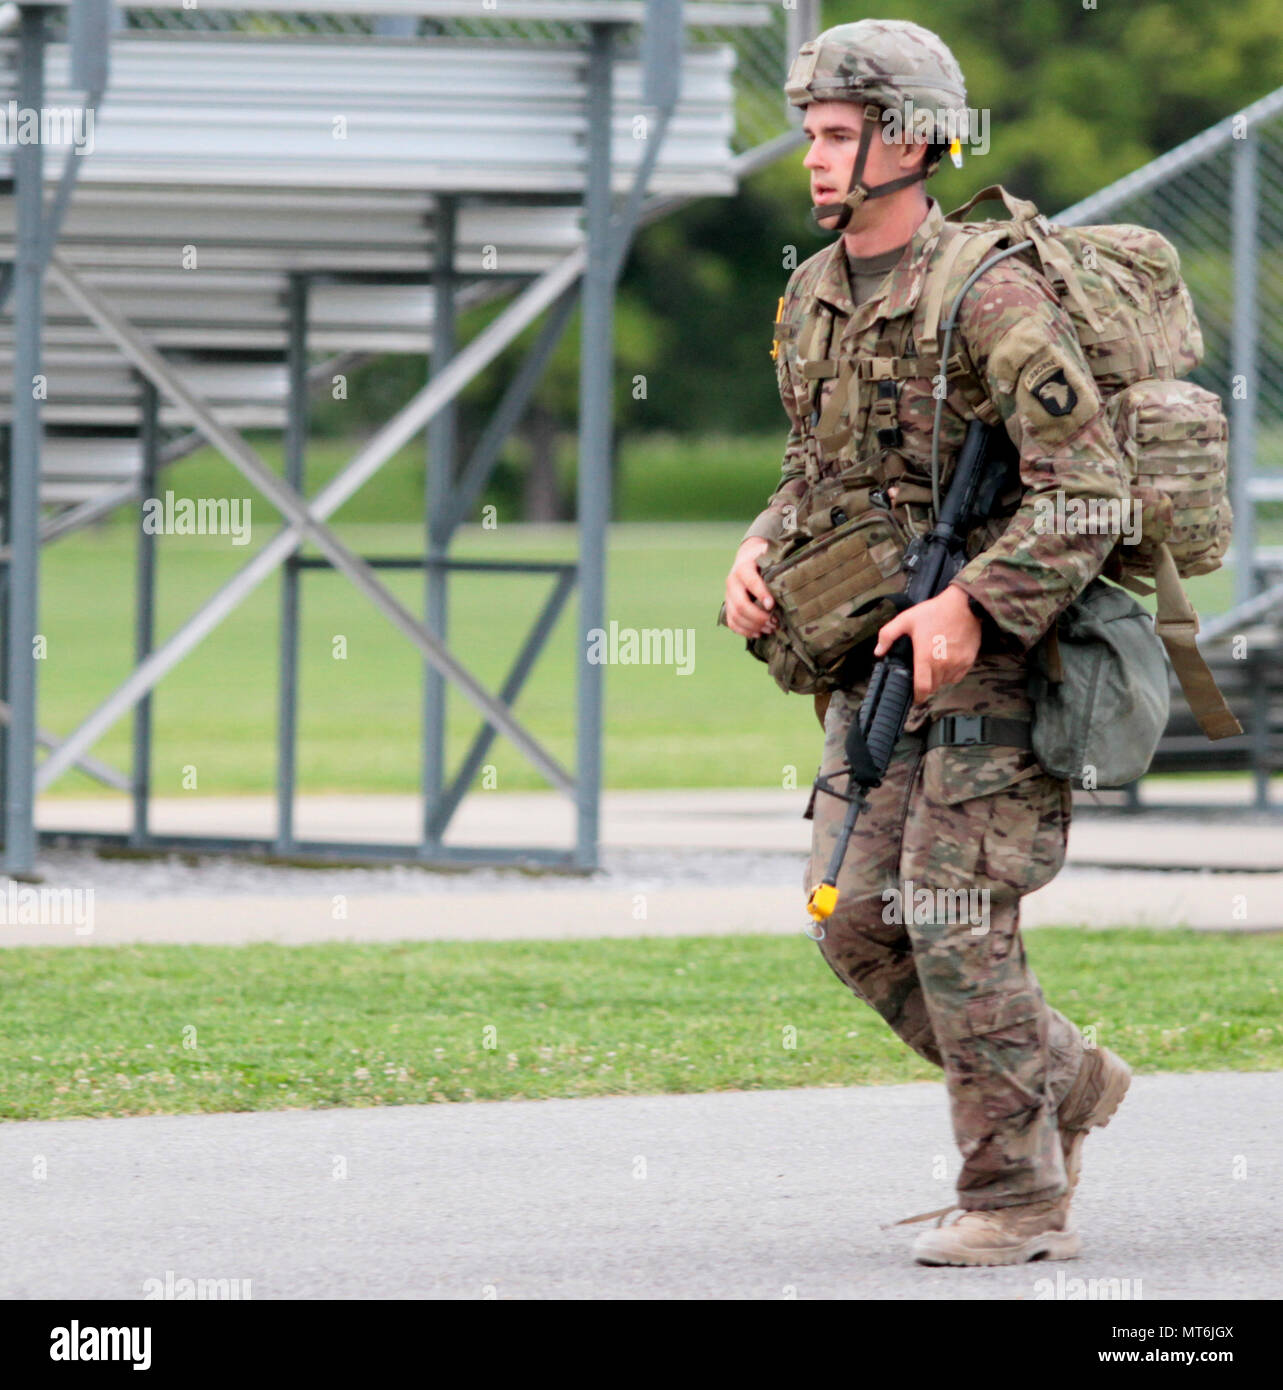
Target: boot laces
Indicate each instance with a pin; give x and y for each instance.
(940, 1212)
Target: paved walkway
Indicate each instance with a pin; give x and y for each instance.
(729, 1195)
(676, 863)
(1209, 902)
(733, 819)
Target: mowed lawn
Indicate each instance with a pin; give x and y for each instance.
(168, 1029)
(725, 724)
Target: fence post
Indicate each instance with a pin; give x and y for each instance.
(1243, 362)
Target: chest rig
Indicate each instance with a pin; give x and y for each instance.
(867, 395)
(863, 396)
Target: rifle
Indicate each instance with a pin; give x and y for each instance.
(931, 561)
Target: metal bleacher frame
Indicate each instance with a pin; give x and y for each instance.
(168, 389)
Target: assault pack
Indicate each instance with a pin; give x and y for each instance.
(1122, 290)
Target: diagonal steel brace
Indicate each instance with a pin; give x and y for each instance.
(304, 522)
(102, 772)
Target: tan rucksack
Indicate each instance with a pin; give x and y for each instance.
(1122, 289)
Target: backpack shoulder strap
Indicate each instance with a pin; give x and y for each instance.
(965, 249)
(962, 252)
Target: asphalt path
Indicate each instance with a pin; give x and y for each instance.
(727, 1195)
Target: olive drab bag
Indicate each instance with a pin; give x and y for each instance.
(1100, 692)
(1122, 290)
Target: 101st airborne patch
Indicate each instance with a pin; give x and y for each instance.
(1052, 390)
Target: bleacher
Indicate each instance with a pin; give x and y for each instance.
(223, 163)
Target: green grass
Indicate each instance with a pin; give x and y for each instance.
(659, 477)
(178, 1029)
(724, 725)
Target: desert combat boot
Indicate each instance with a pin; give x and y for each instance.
(1098, 1090)
(1004, 1236)
(1035, 1230)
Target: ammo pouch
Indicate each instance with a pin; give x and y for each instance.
(1100, 690)
(828, 579)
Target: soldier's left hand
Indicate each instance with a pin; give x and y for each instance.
(946, 638)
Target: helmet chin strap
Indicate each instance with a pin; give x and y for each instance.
(859, 192)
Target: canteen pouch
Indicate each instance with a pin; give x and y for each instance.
(1100, 692)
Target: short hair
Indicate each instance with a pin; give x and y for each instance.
(935, 156)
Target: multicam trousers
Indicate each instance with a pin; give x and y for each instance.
(926, 931)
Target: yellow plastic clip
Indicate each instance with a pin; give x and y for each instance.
(775, 342)
(955, 152)
(822, 902)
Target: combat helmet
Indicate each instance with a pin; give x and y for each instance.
(885, 65)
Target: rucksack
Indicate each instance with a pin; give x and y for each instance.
(1132, 312)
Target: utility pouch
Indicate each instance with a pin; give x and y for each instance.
(828, 591)
(1100, 690)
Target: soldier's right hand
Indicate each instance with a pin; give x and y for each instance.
(748, 600)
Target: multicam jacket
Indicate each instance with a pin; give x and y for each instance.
(858, 385)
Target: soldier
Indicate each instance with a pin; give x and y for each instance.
(964, 805)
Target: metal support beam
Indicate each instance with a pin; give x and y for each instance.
(1245, 243)
(325, 852)
(1241, 615)
(6, 515)
(397, 432)
(802, 20)
(396, 26)
(503, 419)
(53, 218)
(1260, 732)
(661, 89)
(23, 502)
(84, 513)
(441, 438)
(1162, 170)
(296, 428)
(92, 767)
(144, 623)
(596, 365)
(508, 693)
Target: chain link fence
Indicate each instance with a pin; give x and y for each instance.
(762, 52)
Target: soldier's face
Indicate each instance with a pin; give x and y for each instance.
(834, 131)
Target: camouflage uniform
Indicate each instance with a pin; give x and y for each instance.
(983, 817)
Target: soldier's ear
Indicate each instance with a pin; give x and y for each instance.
(914, 154)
